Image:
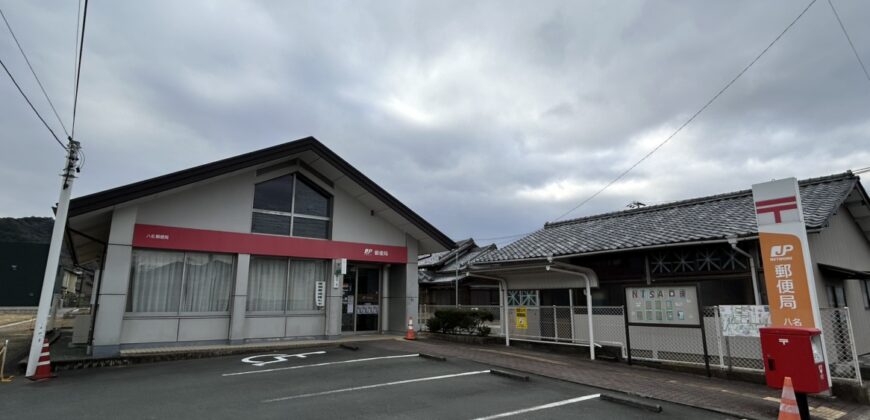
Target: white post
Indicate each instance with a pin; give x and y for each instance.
(719, 336)
(571, 311)
(51, 264)
(589, 318)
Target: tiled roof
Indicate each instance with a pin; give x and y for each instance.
(713, 217)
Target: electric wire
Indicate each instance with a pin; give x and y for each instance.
(76, 43)
(79, 69)
(848, 38)
(31, 105)
(692, 118)
(32, 71)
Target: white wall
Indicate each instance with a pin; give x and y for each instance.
(223, 205)
(843, 244)
(353, 222)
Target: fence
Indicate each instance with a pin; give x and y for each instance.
(569, 325)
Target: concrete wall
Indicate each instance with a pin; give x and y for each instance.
(843, 244)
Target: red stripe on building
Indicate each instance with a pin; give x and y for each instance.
(776, 201)
(185, 239)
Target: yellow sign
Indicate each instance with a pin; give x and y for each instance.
(522, 320)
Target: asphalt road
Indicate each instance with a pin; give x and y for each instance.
(328, 383)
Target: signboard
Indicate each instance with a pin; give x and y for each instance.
(785, 254)
(743, 320)
(367, 309)
(671, 305)
(522, 319)
(320, 294)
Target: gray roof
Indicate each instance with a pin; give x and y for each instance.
(713, 217)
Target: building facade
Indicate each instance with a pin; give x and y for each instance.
(711, 242)
(289, 242)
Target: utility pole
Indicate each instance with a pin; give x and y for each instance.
(52, 262)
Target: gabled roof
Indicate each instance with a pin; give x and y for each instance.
(119, 195)
(442, 265)
(705, 218)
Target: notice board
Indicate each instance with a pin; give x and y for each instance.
(663, 305)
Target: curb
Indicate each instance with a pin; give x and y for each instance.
(655, 408)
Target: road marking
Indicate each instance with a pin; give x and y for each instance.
(359, 388)
(16, 323)
(539, 359)
(540, 407)
(322, 364)
(277, 358)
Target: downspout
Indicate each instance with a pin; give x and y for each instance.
(502, 299)
(732, 240)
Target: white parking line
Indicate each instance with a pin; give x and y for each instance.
(321, 364)
(16, 323)
(540, 407)
(358, 388)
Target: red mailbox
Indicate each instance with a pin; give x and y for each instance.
(795, 352)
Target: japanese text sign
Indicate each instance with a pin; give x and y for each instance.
(785, 255)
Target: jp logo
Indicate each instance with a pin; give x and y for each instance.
(265, 359)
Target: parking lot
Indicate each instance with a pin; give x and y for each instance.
(328, 382)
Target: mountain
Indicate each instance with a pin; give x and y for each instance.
(26, 229)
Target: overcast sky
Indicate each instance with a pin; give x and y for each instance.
(487, 118)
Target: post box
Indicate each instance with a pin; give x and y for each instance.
(795, 352)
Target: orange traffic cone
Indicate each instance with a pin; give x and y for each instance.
(788, 409)
(43, 367)
(411, 335)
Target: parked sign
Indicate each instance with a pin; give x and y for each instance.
(785, 254)
(675, 305)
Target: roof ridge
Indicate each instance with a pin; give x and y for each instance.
(693, 201)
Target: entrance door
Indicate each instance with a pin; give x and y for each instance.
(368, 299)
(360, 301)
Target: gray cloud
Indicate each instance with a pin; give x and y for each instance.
(488, 118)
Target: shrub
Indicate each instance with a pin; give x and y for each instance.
(460, 321)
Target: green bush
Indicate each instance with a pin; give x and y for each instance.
(460, 321)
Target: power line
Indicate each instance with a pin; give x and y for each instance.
(848, 38)
(32, 71)
(31, 105)
(79, 68)
(692, 118)
(76, 43)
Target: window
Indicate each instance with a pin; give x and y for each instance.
(282, 285)
(866, 283)
(522, 298)
(176, 282)
(291, 205)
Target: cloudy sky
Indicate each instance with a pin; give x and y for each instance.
(487, 118)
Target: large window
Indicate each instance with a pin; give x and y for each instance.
(291, 205)
(168, 282)
(284, 285)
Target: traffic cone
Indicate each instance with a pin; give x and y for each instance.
(43, 367)
(411, 335)
(788, 409)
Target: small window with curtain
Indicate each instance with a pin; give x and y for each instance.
(291, 205)
(167, 282)
(280, 285)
